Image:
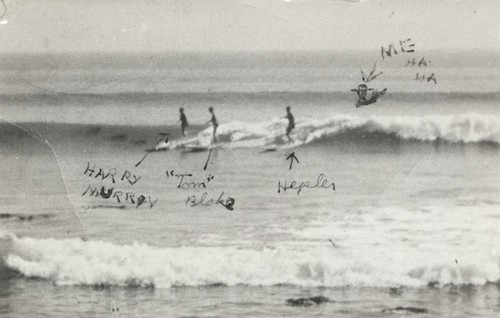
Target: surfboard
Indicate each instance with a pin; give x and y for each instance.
(365, 103)
(373, 99)
(162, 146)
(269, 149)
(174, 144)
(273, 146)
(197, 148)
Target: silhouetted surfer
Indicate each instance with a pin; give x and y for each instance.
(213, 120)
(362, 92)
(183, 120)
(291, 122)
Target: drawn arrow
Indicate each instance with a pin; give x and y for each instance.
(206, 164)
(292, 157)
(163, 135)
(372, 75)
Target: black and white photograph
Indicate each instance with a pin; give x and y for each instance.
(249, 158)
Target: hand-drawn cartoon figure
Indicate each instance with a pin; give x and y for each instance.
(362, 92)
(362, 89)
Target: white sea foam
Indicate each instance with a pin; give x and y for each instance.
(467, 128)
(78, 262)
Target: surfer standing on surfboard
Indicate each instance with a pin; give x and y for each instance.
(213, 120)
(183, 120)
(291, 122)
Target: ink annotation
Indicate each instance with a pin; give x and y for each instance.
(185, 183)
(113, 176)
(321, 182)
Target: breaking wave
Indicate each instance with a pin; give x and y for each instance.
(78, 262)
(467, 128)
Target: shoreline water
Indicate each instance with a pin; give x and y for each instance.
(409, 230)
(101, 301)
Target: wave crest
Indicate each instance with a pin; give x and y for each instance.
(78, 262)
(469, 128)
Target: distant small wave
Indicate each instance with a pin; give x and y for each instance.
(23, 217)
(468, 128)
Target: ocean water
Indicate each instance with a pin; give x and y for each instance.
(410, 228)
